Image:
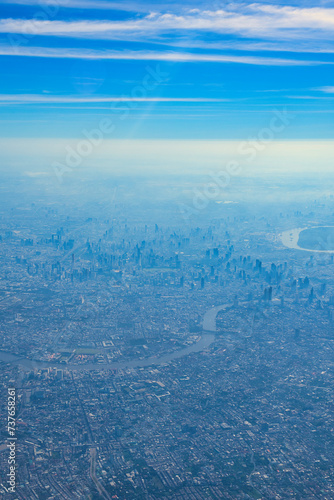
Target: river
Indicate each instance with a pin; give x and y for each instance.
(206, 339)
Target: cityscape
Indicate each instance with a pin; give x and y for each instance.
(157, 357)
(166, 250)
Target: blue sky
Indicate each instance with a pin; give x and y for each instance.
(190, 71)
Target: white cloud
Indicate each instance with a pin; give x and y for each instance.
(305, 46)
(66, 53)
(42, 98)
(326, 90)
(309, 97)
(251, 21)
(81, 4)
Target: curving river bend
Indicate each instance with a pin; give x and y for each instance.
(207, 338)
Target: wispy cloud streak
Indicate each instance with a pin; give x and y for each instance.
(250, 21)
(83, 4)
(326, 90)
(67, 53)
(45, 98)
